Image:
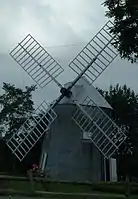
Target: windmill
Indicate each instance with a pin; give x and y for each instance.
(91, 62)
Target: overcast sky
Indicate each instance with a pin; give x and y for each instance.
(63, 27)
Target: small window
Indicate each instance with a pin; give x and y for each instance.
(43, 161)
(86, 136)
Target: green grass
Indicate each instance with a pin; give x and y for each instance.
(49, 195)
(22, 186)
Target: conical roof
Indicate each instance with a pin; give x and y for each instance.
(81, 90)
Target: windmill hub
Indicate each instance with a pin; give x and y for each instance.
(65, 92)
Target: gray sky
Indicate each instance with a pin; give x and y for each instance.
(55, 23)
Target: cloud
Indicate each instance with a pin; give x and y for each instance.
(63, 27)
(52, 22)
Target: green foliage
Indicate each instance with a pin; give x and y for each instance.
(16, 106)
(125, 15)
(125, 104)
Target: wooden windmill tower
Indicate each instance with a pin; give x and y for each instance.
(88, 117)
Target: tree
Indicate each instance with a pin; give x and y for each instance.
(125, 105)
(125, 16)
(124, 102)
(16, 107)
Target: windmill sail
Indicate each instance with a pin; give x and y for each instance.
(31, 131)
(36, 61)
(103, 132)
(99, 47)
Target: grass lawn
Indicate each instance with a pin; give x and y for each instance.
(21, 186)
(100, 196)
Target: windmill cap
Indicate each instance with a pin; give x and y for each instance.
(81, 90)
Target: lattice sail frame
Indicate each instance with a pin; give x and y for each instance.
(101, 48)
(43, 69)
(36, 61)
(103, 132)
(31, 131)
